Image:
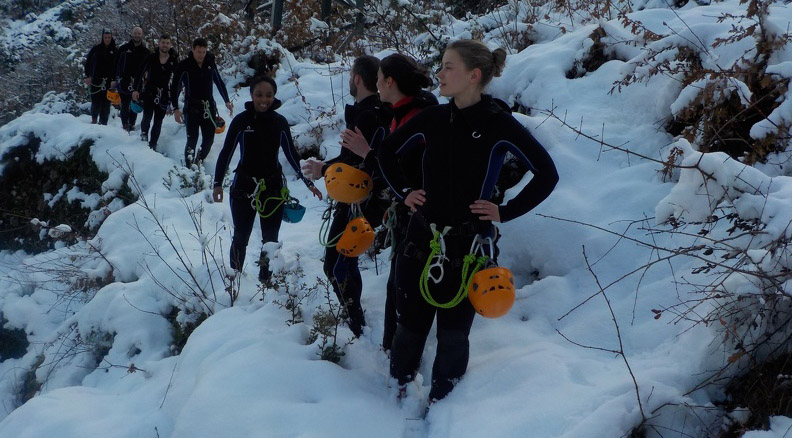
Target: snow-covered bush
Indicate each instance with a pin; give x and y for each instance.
(734, 104)
(47, 193)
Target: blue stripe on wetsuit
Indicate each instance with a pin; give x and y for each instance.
(496, 160)
(416, 139)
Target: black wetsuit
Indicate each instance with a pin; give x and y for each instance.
(370, 116)
(259, 137)
(200, 110)
(410, 165)
(130, 61)
(463, 154)
(100, 67)
(153, 83)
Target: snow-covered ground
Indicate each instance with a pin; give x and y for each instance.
(245, 372)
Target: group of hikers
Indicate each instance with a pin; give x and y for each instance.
(428, 171)
(141, 81)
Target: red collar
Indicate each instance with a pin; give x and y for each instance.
(403, 101)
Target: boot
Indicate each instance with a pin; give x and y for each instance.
(357, 319)
(264, 270)
(406, 354)
(451, 359)
(144, 136)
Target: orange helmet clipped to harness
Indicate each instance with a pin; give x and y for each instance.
(347, 184)
(220, 126)
(356, 239)
(114, 97)
(491, 291)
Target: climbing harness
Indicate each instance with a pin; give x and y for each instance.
(218, 122)
(390, 223)
(437, 258)
(99, 88)
(261, 205)
(324, 228)
(207, 111)
(327, 218)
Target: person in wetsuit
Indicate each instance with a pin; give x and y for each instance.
(153, 86)
(464, 146)
(99, 73)
(130, 60)
(260, 132)
(400, 82)
(369, 116)
(196, 74)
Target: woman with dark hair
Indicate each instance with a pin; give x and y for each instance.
(400, 82)
(465, 143)
(259, 131)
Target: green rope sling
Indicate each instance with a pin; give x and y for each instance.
(324, 228)
(261, 206)
(437, 246)
(99, 88)
(390, 225)
(207, 114)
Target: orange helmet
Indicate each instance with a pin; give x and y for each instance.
(357, 238)
(114, 97)
(491, 291)
(220, 126)
(347, 184)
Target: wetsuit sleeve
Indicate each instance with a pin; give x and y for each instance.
(370, 164)
(120, 65)
(287, 145)
(527, 149)
(178, 78)
(143, 75)
(220, 84)
(233, 138)
(90, 63)
(410, 135)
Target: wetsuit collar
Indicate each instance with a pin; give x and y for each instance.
(404, 101)
(275, 105)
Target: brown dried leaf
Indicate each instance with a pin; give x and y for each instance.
(736, 356)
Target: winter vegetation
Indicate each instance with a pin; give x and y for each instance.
(654, 285)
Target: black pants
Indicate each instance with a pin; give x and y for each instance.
(150, 108)
(100, 106)
(197, 122)
(399, 233)
(244, 215)
(416, 316)
(344, 273)
(128, 117)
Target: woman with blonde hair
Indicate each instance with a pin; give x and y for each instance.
(465, 143)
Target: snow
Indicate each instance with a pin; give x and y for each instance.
(547, 369)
